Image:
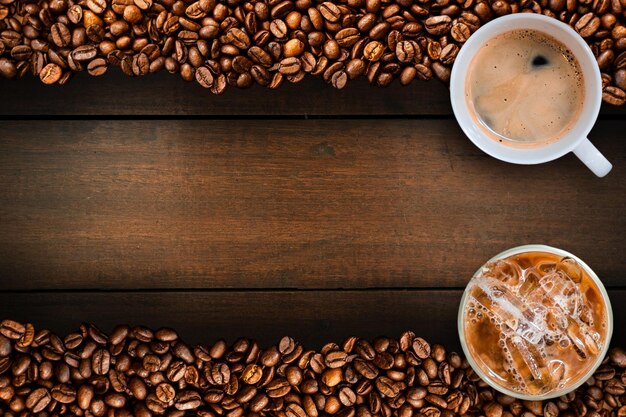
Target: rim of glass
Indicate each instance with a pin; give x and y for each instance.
(605, 296)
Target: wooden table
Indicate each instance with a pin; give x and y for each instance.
(303, 211)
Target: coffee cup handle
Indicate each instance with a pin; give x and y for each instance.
(591, 156)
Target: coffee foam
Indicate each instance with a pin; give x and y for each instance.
(525, 88)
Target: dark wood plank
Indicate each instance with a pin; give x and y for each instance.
(166, 94)
(312, 317)
(287, 204)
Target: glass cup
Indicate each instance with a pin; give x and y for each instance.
(573, 384)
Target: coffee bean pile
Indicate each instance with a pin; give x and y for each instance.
(135, 371)
(239, 43)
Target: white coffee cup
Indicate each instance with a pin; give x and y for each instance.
(575, 140)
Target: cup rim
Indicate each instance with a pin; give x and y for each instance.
(601, 355)
(534, 155)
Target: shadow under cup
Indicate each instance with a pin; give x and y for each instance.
(592, 89)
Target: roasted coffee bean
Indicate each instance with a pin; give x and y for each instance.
(406, 51)
(330, 11)
(63, 393)
(421, 348)
(587, 25)
(38, 400)
(347, 37)
(22, 53)
(289, 66)
(339, 79)
(438, 25)
(9, 328)
(101, 361)
(61, 35)
(50, 74)
(84, 53)
(97, 67)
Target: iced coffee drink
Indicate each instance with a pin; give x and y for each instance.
(534, 323)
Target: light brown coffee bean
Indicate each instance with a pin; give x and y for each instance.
(587, 25)
(330, 11)
(50, 74)
(289, 66)
(38, 400)
(293, 47)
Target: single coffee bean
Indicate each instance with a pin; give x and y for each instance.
(101, 361)
(379, 30)
(406, 51)
(187, 400)
(289, 66)
(63, 393)
(12, 329)
(615, 96)
(294, 47)
(22, 53)
(330, 11)
(38, 400)
(115, 400)
(448, 55)
(339, 79)
(50, 74)
(278, 388)
(165, 393)
(97, 6)
(85, 396)
(84, 53)
(373, 51)
(61, 35)
(143, 4)
(97, 67)
(438, 25)
(587, 25)
(460, 32)
(347, 37)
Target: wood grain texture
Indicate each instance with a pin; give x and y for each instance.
(312, 317)
(287, 204)
(166, 94)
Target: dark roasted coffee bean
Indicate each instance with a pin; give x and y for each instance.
(7, 70)
(355, 68)
(61, 35)
(101, 361)
(9, 328)
(22, 53)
